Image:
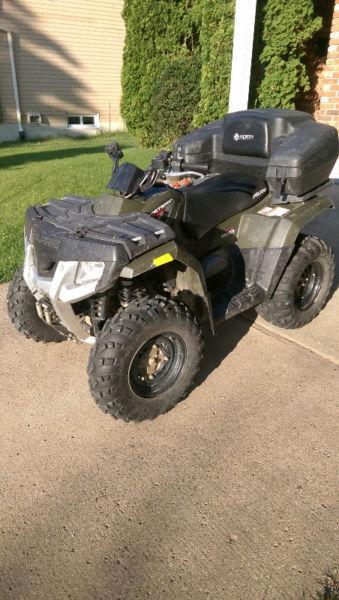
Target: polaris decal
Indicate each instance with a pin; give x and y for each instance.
(162, 209)
(260, 193)
(228, 232)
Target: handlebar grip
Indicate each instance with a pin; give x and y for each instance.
(194, 167)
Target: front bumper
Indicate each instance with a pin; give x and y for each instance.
(61, 292)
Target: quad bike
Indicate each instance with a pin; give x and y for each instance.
(210, 230)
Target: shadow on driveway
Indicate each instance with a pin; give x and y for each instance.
(326, 226)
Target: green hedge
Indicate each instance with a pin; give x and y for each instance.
(174, 94)
(177, 61)
(159, 35)
(176, 68)
(215, 21)
(288, 27)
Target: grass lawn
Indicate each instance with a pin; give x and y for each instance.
(32, 172)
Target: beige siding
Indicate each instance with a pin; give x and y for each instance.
(68, 58)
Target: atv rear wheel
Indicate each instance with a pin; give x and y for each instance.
(23, 314)
(304, 287)
(145, 359)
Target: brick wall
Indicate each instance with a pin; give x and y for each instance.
(328, 83)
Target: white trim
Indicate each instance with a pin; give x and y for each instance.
(242, 54)
(54, 289)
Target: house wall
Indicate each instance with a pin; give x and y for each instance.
(68, 56)
(328, 82)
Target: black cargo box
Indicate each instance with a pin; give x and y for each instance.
(288, 148)
(304, 159)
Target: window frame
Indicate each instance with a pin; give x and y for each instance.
(81, 125)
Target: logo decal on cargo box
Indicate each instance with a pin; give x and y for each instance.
(243, 137)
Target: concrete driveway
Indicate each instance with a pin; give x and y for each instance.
(230, 496)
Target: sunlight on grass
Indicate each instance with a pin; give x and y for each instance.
(32, 172)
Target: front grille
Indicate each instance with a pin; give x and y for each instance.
(46, 269)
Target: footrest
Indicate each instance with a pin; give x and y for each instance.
(246, 299)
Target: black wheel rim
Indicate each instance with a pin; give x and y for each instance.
(157, 365)
(308, 287)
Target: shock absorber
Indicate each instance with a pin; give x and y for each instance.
(129, 292)
(99, 311)
(99, 307)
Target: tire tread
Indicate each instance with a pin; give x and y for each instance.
(108, 391)
(22, 312)
(279, 310)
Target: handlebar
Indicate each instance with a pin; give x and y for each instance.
(181, 174)
(194, 167)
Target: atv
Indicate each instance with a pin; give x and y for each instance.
(210, 230)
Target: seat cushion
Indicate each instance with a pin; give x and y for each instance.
(217, 198)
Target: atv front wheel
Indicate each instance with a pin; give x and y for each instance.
(304, 287)
(23, 314)
(145, 359)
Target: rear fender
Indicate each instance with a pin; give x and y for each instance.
(190, 278)
(267, 242)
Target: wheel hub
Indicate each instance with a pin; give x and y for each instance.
(156, 360)
(308, 286)
(157, 364)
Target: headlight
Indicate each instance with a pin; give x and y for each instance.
(88, 272)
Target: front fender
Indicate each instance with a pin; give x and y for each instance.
(191, 278)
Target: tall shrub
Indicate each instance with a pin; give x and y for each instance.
(159, 35)
(215, 21)
(287, 28)
(174, 94)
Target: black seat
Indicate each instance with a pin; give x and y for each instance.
(215, 199)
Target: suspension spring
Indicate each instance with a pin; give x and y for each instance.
(130, 292)
(100, 307)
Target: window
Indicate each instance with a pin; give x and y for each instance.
(88, 120)
(73, 121)
(83, 121)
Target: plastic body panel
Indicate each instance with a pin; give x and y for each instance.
(267, 242)
(62, 235)
(190, 279)
(260, 231)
